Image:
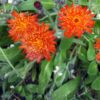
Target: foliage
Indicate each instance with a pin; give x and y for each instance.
(73, 73)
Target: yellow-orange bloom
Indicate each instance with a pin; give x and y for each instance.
(20, 24)
(97, 45)
(39, 44)
(75, 20)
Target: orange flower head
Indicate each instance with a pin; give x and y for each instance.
(75, 20)
(39, 44)
(97, 45)
(20, 24)
(98, 57)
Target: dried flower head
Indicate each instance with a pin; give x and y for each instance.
(75, 20)
(20, 24)
(38, 5)
(39, 44)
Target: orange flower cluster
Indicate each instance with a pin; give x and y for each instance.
(21, 24)
(40, 43)
(37, 40)
(97, 46)
(75, 20)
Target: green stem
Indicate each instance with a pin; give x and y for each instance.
(3, 88)
(12, 8)
(52, 14)
(79, 50)
(4, 7)
(72, 53)
(49, 16)
(85, 38)
(6, 58)
(56, 23)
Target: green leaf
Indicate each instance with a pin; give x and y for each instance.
(97, 28)
(26, 5)
(27, 68)
(83, 54)
(79, 41)
(33, 74)
(6, 95)
(32, 88)
(45, 74)
(48, 4)
(61, 75)
(13, 54)
(4, 68)
(23, 70)
(83, 2)
(65, 90)
(19, 89)
(12, 75)
(7, 7)
(28, 96)
(95, 6)
(91, 37)
(91, 52)
(96, 84)
(63, 50)
(58, 59)
(24, 91)
(65, 44)
(5, 40)
(29, 5)
(89, 80)
(92, 70)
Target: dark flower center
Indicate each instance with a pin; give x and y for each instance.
(76, 20)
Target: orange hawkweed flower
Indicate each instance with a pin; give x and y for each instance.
(98, 56)
(97, 45)
(20, 24)
(39, 44)
(75, 20)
